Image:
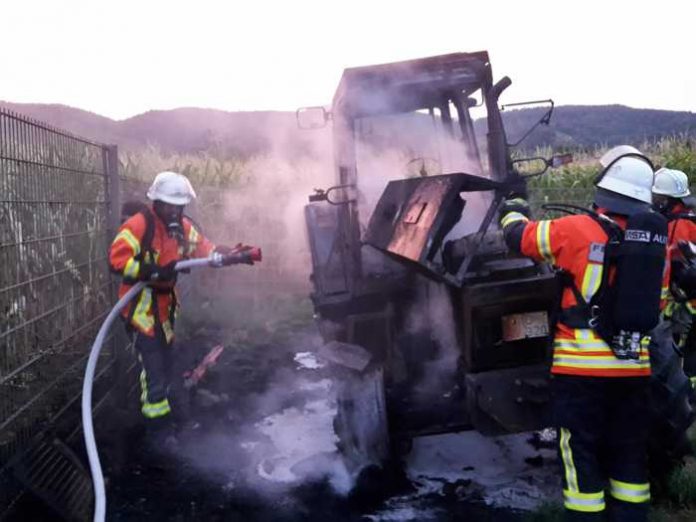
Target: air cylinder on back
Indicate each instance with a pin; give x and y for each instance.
(640, 268)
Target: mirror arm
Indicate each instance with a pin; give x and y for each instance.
(544, 120)
(323, 195)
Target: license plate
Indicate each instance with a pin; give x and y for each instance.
(529, 325)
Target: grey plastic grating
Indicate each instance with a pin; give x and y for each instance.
(53, 473)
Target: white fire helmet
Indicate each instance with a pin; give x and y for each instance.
(171, 187)
(625, 184)
(615, 153)
(672, 183)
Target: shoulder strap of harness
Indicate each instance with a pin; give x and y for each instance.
(146, 242)
(579, 316)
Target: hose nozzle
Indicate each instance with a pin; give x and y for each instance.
(244, 254)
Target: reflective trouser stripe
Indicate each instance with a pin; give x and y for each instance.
(140, 315)
(151, 410)
(693, 381)
(156, 409)
(571, 474)
(168, 331)
(586, 502)
(143, 386)
(636, 493)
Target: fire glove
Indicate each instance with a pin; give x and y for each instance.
(219, 255)
(516, 187)
(518, 205)
(248, 254)
(225, 250)
(153, 272)
(685, 279)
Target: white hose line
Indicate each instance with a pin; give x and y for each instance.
(88, 427)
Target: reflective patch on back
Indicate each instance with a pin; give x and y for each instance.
(596, 254)
(639, 236)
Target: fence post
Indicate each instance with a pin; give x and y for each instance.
(113, 189)
(113, 214)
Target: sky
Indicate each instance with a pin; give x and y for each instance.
(122, 58)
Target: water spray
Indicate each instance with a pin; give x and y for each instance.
(242, 255)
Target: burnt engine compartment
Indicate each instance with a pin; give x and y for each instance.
(460, 326)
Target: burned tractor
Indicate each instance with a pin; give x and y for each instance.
(431, 324)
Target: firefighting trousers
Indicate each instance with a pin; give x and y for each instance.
(603, 427)
(156, 360)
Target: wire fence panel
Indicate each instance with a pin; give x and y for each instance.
(55, 287)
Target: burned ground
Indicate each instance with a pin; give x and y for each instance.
(256, 444)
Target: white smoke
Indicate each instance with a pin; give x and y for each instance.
(286, 435)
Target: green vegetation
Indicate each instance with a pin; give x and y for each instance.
(203, 169)
(674, 152)
(676, 500)
(573, 183)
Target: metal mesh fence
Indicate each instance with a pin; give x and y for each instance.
(55, 287)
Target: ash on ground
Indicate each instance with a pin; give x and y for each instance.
(257, 443)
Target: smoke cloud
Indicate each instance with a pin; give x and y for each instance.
(283, 435)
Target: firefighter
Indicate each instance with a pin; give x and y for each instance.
(600, 395)
(672, 198)
(147, 247)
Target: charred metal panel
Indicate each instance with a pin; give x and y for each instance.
(409, 85)
(485, 312)
(329, 273)
(509, 401)
(413, 216)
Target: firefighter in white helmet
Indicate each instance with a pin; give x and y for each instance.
(600, 379)
(147, 247)
(672, 197)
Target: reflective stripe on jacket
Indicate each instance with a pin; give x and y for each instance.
(122, 257)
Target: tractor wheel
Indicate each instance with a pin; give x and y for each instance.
(671, 410)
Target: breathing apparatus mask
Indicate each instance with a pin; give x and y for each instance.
(172, 217)
(664, 204)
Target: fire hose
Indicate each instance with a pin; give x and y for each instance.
(246, 255)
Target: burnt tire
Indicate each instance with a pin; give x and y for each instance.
(361, 419)
(670, 405)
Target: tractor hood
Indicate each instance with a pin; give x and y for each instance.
(414, 216)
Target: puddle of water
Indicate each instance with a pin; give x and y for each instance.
(303, 444)
(496, 468)
(307, 360)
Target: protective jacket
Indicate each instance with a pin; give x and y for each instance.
(575, 244)
(157, 303)
(681, 229)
